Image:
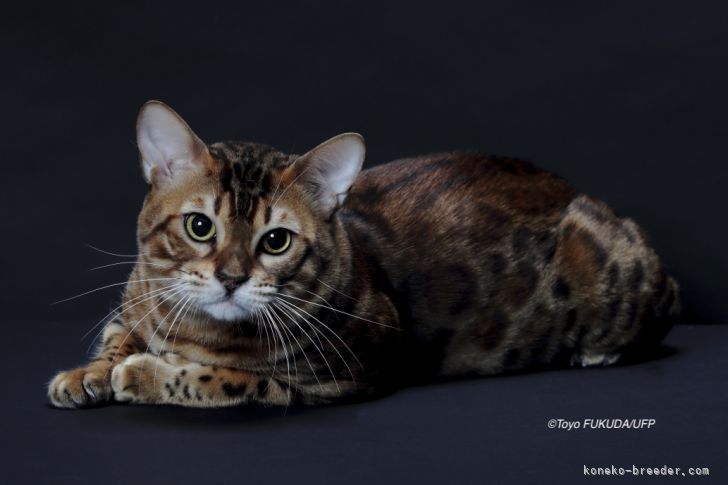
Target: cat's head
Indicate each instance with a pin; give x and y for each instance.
(235, 223)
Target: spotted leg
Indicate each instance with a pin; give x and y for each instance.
(170, 379)
(91, 384)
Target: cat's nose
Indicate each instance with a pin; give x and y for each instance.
(231, 282)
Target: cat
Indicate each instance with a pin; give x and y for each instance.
(277, 279)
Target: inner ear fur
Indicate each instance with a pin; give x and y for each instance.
(167, 145)
(328, 171)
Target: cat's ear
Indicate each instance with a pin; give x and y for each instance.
(166, 144)
(328, 170)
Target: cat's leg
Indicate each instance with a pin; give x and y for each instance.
(91, 384)
(170, 379)
(594, 360)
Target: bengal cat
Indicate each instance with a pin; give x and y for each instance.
(278, 279)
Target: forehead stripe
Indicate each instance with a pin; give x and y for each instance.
(246, 174)
(217, 204)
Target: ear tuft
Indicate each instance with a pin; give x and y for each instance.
(329, 170)
(166, 143)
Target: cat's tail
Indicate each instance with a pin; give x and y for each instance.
(672, 299)
(662, 313)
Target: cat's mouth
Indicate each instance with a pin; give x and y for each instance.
(230, 308)
(242, 304)
(227, 310)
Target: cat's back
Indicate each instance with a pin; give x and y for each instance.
(445, 229)
(464, 182)
(504, 266)
(455, 202)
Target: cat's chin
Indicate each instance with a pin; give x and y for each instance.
(227, 311)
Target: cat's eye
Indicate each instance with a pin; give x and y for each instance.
(199, 227)
(276, 241)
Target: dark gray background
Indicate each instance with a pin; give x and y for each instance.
(626, 99)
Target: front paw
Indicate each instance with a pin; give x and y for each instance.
(140, 378)
(82, 387)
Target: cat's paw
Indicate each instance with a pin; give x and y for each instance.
(140, 378)
(82, 387)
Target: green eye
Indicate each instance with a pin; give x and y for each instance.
(199, 227)
(276, 241)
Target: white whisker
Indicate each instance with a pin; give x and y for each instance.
(111, 286)
(171, 326)
(274, 328)
(337, 291)
(337, 311)
(143, 297)
(292, 319)
(292, 336)
(184, 317)
(136, 263)
(110, 253)
(291, 305)
(259, 318)
(290, 349)
(168, 296)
